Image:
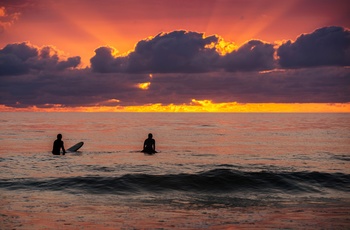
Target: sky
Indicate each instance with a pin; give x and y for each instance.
(175, 55)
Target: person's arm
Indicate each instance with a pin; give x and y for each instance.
(144, 145)
(154, 145)
(64, 151)
(53, 148)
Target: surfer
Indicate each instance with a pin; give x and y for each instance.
(149, 146)
(57, 145)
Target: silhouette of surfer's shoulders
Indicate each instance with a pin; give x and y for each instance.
(149, 145)
(58, 145)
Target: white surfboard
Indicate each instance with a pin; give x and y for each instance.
(75, 147)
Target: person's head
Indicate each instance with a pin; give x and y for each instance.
(59, 136)
(150, 135)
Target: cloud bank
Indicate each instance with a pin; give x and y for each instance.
(23, 58)
(329, 46)
(191, 52)
(180, 66)
(184, 52)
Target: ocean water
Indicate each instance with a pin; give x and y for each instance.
(213, 171)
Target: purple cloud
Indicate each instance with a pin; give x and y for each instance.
(184, 52)
(328, 46)
(178, 51)
(252, 56)
(85, 88)
(22, 58)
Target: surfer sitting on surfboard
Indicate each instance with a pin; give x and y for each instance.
(57, 145)
(149, 146)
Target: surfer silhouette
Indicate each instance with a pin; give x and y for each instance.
(149, 146)
(57, 145)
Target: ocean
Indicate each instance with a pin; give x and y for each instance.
(212, 171)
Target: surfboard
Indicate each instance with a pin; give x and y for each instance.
(75, 147)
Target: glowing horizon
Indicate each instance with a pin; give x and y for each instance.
(205, 106)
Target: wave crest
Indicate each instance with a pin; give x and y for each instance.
(213, 181)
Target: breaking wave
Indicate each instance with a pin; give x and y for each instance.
(214, 181)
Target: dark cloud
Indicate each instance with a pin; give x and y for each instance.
(69, 88)
(328, 46)
(252, 56)
(21, 58)
(185, 52)
(105, 62)
(72, 62)
(85, 88)
(13, 58)
(319, 85)
(178, 51)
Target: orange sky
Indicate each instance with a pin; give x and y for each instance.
(79, 27)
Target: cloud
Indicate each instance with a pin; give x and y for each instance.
(85, 88)
(178, 51)
(78, 87)
(184, 66)
(105, 61)
(14, 57)
(184, 52)
(71, 62)
(7, 19)
(21, 58)
(252, 56)
(328, 46)
(320, 85)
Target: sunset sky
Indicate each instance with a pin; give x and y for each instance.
(175, 55)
